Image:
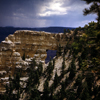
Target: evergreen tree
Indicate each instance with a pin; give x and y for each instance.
(80, 62)
(66, 81)
(63, 66)
(62, 91)
(34, 63)
(72, 69)
(72, 96)
(56, 80)
(23, 57)
(78, 81)
(68, 30)
(94, 8)
(85, 94)
(65, 31)
(14, 85)
(40, 68)
(49, 70)
(46, 91)
(90, 81)
(35, 95)
(59, 50)
(63, 63)
(53, 63)
(79, 84)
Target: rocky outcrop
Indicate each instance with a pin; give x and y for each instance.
(32, 44)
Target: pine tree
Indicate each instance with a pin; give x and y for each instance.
(56, 80)
(59, 50)
(14, 85)
(78, 81)
(63, 66)
(90, 81)
(94, 8)
(23, 57)
(53, 63)
(68, 30)
(65, 31)
(40, 68)
(85, 94)
(46, 91)
(72, 69)
(62, 91)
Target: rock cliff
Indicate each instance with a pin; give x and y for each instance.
(31, 44)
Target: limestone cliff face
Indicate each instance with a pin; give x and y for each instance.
(34, 45)
(31, 43)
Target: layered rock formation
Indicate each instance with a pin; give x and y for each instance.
(28, 43)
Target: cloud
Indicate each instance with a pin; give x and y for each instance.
(54, 7)
(41, 13)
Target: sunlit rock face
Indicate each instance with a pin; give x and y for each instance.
(32, 44)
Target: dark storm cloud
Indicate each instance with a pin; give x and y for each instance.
(40, 13)
(19, 12)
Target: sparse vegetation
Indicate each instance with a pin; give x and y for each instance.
(81, 82)
(77, 82)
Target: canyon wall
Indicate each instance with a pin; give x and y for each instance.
(32, 44)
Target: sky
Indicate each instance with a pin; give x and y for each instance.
(44, 13)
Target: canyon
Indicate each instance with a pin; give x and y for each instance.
(30, 44)
(25, 74)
